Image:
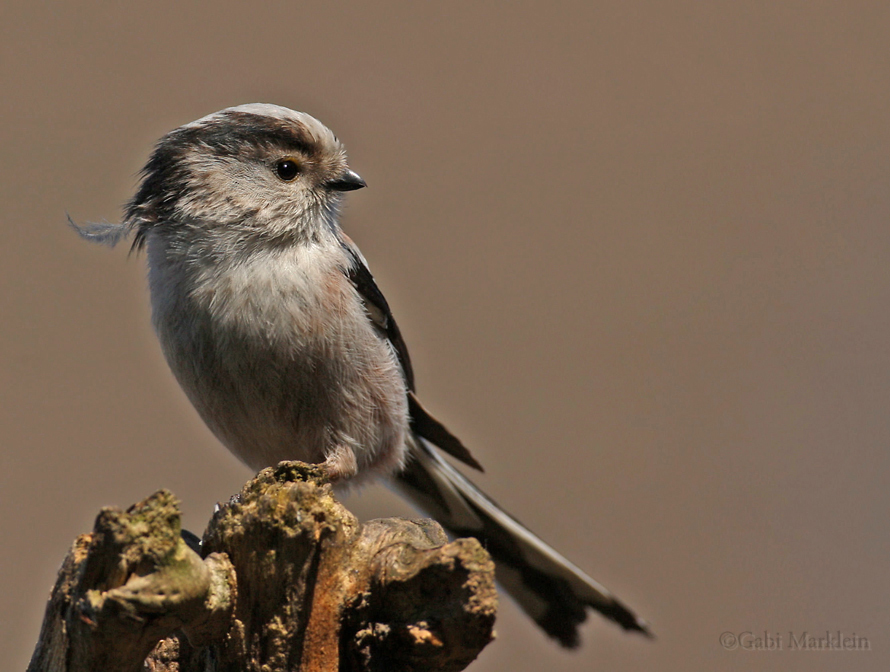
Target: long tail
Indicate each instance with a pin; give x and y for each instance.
(549, 588)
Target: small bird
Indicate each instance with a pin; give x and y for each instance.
(275, 328)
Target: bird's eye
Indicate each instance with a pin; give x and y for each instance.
(287, 169)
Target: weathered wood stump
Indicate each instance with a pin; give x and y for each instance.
(286, 579)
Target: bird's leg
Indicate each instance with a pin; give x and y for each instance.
(340, 464)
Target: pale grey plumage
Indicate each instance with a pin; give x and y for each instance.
(275, 329)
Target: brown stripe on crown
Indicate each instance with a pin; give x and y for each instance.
(245, 134)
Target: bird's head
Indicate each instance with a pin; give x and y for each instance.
(255, 171)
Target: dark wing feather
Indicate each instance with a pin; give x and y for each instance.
(377, 307)
(422, 422)
(432, 430)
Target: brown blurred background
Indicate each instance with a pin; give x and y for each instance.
(640, 252)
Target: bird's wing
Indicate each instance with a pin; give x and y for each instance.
(553, 591)
(380, 315)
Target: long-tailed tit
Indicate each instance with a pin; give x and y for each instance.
(277, 332)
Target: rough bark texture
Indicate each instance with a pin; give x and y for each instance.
(286, 579)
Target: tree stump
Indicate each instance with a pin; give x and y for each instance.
(285, 578)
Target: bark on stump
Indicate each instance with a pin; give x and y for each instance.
(286, 579)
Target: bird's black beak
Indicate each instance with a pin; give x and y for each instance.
(346, 181)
